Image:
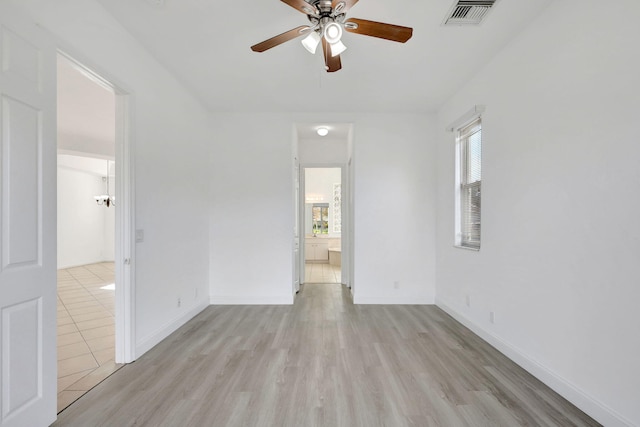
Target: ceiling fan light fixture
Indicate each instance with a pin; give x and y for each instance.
(332, 32)
(311, 42)
(322, 131)
(350, 25)
(327, 22)
(337, 48)
(309, 11)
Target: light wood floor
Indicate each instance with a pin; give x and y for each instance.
(322, 362)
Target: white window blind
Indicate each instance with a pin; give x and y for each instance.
(470, 146)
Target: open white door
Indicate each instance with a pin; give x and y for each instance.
(28, 222)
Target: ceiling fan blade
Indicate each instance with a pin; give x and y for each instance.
(280, 38)
(333, 63)
(381, 30)
(347, 4)
(302, 6)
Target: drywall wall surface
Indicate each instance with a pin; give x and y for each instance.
(252, 212)
(394, 216)
(84, 227)
(558, 266)
(323, 151)
(170, 138)
(251, 209)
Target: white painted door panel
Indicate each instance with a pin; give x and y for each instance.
(28, 223)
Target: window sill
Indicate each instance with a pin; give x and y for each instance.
(467, 248)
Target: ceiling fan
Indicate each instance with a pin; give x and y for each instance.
(327, 22)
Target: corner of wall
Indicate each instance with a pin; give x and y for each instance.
(566, 389)
(147, 343)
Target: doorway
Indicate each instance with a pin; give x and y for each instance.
(94, 219)
(322, 224)
(322, 248)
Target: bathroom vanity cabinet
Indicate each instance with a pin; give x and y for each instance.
(316, 249)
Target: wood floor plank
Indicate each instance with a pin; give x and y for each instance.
(322, 362)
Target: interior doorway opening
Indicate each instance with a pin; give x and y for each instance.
(93, 206)
(322, 225)
(322, 249)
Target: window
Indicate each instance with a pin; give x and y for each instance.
(470, 178)
(320, 215)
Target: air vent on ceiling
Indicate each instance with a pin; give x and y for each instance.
(469, 12)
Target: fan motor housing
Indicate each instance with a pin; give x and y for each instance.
(324, 6)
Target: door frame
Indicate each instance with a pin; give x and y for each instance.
(345, 235)
(296, 226)
(125, 206)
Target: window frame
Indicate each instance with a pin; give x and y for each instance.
(465, 238)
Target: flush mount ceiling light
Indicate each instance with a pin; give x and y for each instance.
(327, 22)
(323, 131)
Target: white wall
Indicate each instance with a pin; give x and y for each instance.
(394, 214)
(394, 195)
(109, 247)
(560, 246)
(324, 151)
(85, 230)
(251, 222)
(171, 137)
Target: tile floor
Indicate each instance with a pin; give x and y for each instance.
(322, 273)
(86, 329)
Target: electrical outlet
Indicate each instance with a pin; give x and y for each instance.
(139, 235)
(492, 317)
(468, 300)
(396, 285)
(179, 302)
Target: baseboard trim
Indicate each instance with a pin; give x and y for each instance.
(392, 300)
(153, 339)
(592, 407)
(232, 300)
(63, 267)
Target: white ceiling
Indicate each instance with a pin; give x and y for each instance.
(206, 44)
(86, 112)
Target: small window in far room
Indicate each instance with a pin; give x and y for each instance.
(469, 154)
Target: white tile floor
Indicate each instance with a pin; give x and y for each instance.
(86, 329)
(322, 273)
